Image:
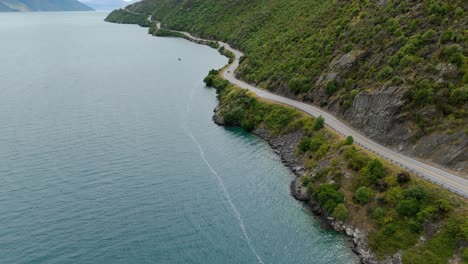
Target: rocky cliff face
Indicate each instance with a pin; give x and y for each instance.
(380, 115)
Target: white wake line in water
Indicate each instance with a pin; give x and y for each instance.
(228, 197)
(223, 187)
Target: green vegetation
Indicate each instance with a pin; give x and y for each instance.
(363, 195)
(348, 141)
(168, 33)
(124, 17)
(341, 212)
(395, 207)
(420, 46)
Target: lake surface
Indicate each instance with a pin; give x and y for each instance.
(108, 155)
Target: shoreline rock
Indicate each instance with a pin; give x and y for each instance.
(285, 147)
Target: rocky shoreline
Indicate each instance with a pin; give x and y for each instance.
(285, 146)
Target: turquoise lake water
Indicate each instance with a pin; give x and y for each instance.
(108, 154)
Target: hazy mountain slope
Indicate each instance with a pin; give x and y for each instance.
(106, 4)
(396, 70)
(4, 8)
(43, 5)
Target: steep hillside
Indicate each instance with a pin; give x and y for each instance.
(392, 216)
(42, 5)
(122, 16)
(4, 8)
(396, 70)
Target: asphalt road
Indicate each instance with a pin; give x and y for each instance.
(438, 176)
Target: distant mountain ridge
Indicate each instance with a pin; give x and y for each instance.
(107, 4)
(42, 5)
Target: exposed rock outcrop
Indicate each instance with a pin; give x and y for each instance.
(285, 146)
(379, 115)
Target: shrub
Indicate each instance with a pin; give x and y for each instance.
(394, 60)
(316, 142)
(441, 247)
(356, 160)
(319, 123)
(373, 171)
(363, 195)
(446, 37)
(347, 48)
(348, 141)
(414, 226)
(330, 88)
(394, 195)
(393, 25)
(459, 12)
(415, 192)
(428, 36)
(279, 118)
(329, 197)
(299, 85)
(454, 54)
(378, 213)
(409, 60)
(408, 207)
(304, 144)
(386, 73)
(248, 124)
(341, 212)
(459, 96)
(443, 205)
(346, 104)
(391, 181)
(427, 213)
(234, 116)
(210, 77)
(322, 151)
(305, 180)
(403, 177)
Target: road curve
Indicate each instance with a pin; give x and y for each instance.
(438, 176)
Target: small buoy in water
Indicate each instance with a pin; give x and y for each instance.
(179, 59)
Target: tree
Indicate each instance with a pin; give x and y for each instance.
(319, 123)
(341, 212)
(363, 195)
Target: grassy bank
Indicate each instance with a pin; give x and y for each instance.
(398, 210)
